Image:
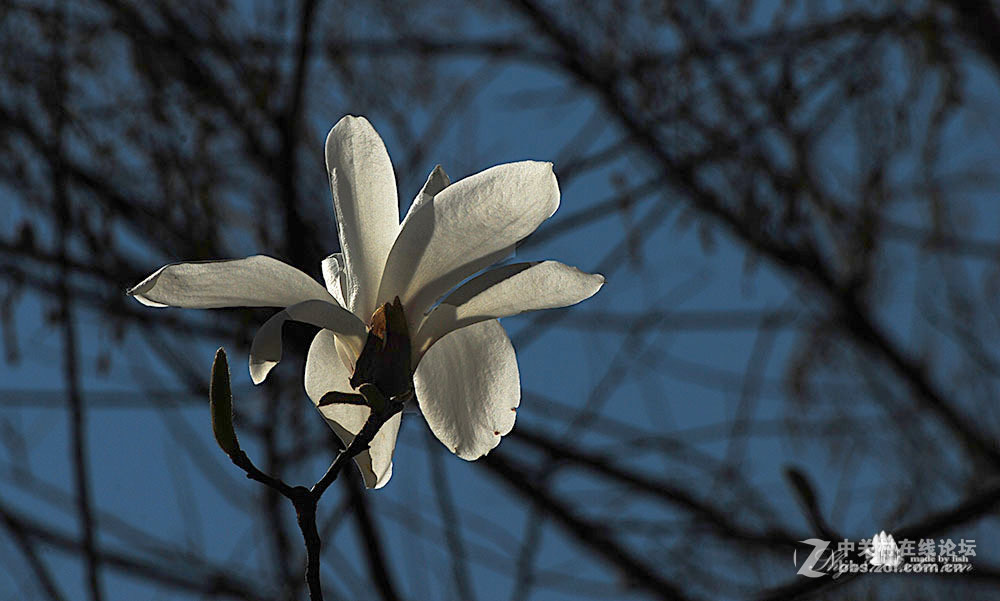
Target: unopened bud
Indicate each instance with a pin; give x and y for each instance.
(385, 359)
(220, 400)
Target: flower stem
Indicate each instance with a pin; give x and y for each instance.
(304, 499)
(305, 514)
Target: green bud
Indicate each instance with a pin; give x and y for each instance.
(220, 400)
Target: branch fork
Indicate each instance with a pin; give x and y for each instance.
(304, 500)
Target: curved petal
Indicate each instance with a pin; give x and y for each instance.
(257, 281)
(447, 239)
(469, 388)
(507, 291)
(333, 276)
(326, 373)
(437, 180)
(364, 199)
(265, 351)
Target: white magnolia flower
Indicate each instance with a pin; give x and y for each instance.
(465, 378)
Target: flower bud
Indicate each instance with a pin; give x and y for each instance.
(220, 399)
(385, 359)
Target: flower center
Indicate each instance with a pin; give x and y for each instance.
(385, 359)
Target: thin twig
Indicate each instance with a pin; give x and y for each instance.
(78, 422)
(305, 500)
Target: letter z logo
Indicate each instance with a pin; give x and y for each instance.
(819, 546)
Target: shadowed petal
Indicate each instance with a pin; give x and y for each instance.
(265, 352)
(333, 277)
(326, 373)
(257, 281)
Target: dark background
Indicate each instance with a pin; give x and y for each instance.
(795, 204)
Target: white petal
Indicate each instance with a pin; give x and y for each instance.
(325, 372)
(333, 276)
(364, 199)
(265, 352)
(256, 281)
(472, 220)
(416, 320)
(469, 388)
(437, 180)
(507, 291)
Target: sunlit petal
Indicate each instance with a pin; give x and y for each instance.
(468, 388)
(437, 180)
(507, 291)
(447, 239)
(366, 207)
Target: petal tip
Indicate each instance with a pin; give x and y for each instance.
(371, 482)
(596, 280)
(145, 300)
(260, 369)
(344, 126)
(348, 122)
(138, 292)
(350, 119)
(478, 451)
(384, 478)
(553, 192)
